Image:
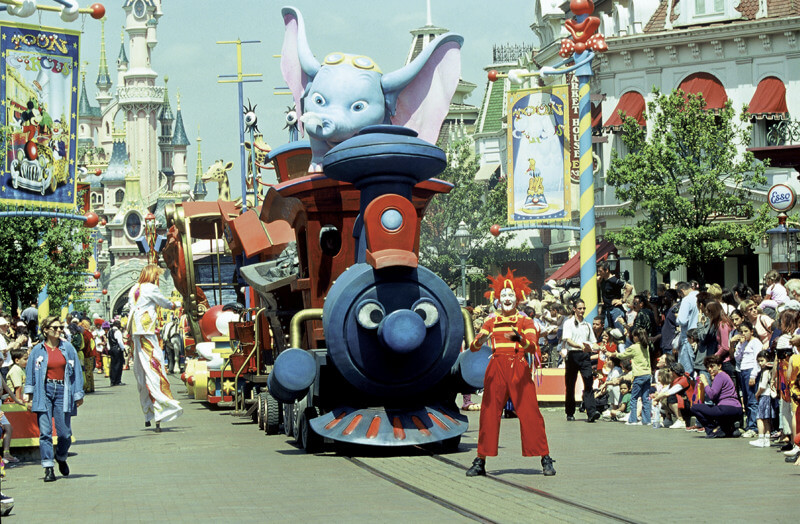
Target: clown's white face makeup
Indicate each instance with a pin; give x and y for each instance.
(508, 301)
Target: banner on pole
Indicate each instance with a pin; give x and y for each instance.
(541, 138)
(38, 124)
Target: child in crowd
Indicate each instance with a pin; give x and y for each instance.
(621, 412)
(16, 373)
(639, 352)
(6, 425)
(776, 293)
(746, 351)
(678, 395)
(765, 395)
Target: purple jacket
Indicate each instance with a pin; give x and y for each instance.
(722, 392)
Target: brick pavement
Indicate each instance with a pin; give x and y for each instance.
(210, 465)
(206, 465)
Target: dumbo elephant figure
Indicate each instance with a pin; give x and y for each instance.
(346, 93)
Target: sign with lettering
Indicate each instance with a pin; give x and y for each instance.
(541, 138)
(781, 198)
(38, 124)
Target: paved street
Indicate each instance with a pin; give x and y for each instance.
(208, 465)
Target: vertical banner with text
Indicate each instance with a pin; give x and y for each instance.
(539, 164)
(38, 124)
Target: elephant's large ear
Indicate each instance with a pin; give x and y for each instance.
(418, 95)
(298, 64)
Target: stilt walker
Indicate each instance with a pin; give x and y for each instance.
(508, 375)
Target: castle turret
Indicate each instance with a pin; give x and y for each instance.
(122, 61)
(179, 143)
(166, 119)
(103, 82)
(200, 190)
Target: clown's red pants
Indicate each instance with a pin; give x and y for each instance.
(508, 375)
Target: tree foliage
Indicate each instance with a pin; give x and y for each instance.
(479, 205)
(688, 183)
(35, 252)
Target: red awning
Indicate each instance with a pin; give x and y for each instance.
(631, 104)
(769, 100)
(597, 115)
(572, 267)
(707, 85)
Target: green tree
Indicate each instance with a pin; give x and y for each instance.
(479, 205)
(35, 252)
(688, 183)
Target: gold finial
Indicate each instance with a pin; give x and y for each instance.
(179, 98)
(166, 79)
(122, 35)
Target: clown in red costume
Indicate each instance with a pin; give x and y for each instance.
(510, 334)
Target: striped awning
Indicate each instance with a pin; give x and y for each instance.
(769, 100)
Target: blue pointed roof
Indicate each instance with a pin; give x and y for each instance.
(118, 165)
(86, 109)
(122, 58)
(179, 137)
(166, 111)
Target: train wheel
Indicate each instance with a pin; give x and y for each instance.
(272, 415)
(288, 419)
(309, 440)
(261, 409)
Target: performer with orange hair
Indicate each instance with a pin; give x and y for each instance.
(508, 374)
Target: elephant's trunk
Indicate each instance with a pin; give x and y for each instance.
(317, 125)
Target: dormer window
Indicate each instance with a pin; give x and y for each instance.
(695, 12)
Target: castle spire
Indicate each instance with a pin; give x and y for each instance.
(122, 59)
(103, 78)
(200, 190)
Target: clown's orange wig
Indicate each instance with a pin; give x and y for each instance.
(500, 282)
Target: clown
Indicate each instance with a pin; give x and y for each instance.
(510, 335)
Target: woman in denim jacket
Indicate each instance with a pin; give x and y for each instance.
(55, 384)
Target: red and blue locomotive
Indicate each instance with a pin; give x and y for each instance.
(383, 368)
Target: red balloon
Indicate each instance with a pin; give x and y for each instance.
(98, 11)
(97, 300)
(98, 171)
(99, 240)
(91, 219)
(31, 150)
(105, 292)
(495, 230)
(103, 222)
(492, 75)
(96, 275)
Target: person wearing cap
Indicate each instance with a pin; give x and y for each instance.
(510, 335)
(579, 341)
(7, 343)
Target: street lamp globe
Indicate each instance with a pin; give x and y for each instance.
(783, 246)
(463, 238)
(613, 262)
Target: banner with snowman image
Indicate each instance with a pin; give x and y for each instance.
(39, 89)
(539, 164)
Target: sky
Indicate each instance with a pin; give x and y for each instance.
(188, 54)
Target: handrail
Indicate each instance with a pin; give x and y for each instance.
(295, 337)
(469, 331)
(258, 361)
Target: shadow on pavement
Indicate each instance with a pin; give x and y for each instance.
(515, 471)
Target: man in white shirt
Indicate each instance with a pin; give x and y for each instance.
(687, 319)
(579, 341)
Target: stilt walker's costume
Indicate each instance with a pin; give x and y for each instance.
(508, 375)
(154, 392)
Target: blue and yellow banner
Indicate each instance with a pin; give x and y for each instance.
(39, 120)
(539, 164)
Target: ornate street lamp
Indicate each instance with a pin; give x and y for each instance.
(783, 247)
(463, 238)
(613, 262)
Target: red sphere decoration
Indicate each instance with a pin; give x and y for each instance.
(91, 219)
(492, 75)
(105, 292)
(96, 275)
(99, 240)
(31, 150)
(495, 230)
(98, 11)
(103, 222)
(97, 300)
(98, 171)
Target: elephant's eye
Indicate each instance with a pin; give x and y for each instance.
(358, 106)
(318, 99)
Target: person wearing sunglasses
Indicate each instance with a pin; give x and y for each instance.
(54, 390)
